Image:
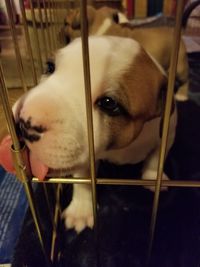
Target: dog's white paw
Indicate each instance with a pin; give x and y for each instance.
(151, 175)
(181, 97)
(79, 215)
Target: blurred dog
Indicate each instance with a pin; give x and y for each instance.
(157, 41)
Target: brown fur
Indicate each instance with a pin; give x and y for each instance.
(140, 96)
(157, 41)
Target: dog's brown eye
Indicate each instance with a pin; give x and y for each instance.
(110, 106)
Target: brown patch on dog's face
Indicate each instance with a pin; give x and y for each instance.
(144, 83)
(136, 101)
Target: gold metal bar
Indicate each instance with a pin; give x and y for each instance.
(47, 26)
(42, 29)
(55, 224)
(28, 42)
(86, 68)
(36, 37)
(48, 202)
(167, 113)
(54, 23)
(8, 111)
(60, 19)
(58, 15)
(55, 180)
(63, 6)
(31, 200)
(51, 24)
(16, 46)
(20, 161)
(18, 154)
(116, 181)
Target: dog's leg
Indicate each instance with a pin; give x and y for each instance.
(151, 163)
(182, 74)
(79, 213)
(150, 169)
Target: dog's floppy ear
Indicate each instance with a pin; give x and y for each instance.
(146, 85)
(163, 97)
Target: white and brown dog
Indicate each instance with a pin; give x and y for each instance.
(126, 87)
(157, 41)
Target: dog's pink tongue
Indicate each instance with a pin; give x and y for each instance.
(38, 169)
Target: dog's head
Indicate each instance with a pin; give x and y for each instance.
(98, 21)
(126, 86)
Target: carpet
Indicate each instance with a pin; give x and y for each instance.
(13, 206)
(194, 74)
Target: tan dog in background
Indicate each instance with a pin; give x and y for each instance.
(157, 41)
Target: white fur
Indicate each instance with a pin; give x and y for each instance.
(79, 213)
(107, 23)
(122, 18)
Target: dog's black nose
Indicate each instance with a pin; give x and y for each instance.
(28, 132)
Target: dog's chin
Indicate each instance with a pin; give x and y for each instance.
(61, 173)
(76, 172)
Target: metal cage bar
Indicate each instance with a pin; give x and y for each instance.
(38, 48)
(50, 19)
(166, 119)
(22, 170)
(86, 65)
(42, 29)
(49, 4)
(116, 181)
(47, 25)
(16, 46)
(28, 42)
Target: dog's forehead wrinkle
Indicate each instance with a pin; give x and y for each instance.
(109, 58)
(100, 49)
